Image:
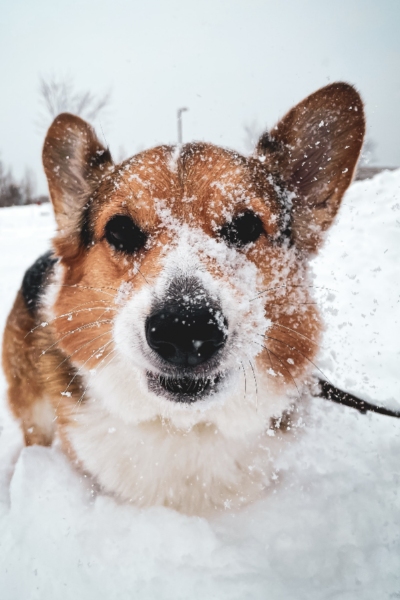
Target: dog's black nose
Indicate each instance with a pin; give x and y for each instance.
(186, 335)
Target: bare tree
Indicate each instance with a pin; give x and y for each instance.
(252, 133)
(18, 193)
(10, 191)
(28, 186)
(57, 95)
(60, 95)
(368, 153)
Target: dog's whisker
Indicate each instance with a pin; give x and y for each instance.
(290, 303)
(292, 285)
(106, 311)
(85, 287)
(255, 382)
(296, 350)
(283, 365)
(81, 328)
(140, 272)
(69, 314)
(104, 366)
(297, 333)
(82, 346)
(95, 289)
(86, 361)
(270, 361)
(94, 301)
(245, 381)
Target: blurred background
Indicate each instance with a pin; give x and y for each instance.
(236, 65)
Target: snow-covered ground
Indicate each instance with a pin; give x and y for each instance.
(329, 529)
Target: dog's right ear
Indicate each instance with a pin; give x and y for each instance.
(74, 162)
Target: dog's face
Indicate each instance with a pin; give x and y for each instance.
(183, 290)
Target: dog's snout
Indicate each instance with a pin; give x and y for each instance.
(186, 336)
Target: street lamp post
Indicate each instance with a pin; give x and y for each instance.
(179, 117)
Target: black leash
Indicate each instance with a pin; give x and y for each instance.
(330, 392)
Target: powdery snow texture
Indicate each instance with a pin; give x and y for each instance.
(329, 528)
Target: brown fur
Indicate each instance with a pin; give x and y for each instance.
(313, 151)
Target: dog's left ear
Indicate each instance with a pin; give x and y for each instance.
(314, 149)
(75, 162)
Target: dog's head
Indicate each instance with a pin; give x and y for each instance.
(183, 290)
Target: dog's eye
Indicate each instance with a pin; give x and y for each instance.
(243, 229)
(122, 233)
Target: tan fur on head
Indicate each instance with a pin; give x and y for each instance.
(87, 355)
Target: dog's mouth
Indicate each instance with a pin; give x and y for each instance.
(186, 389)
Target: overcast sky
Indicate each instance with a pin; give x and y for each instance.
(231, 62)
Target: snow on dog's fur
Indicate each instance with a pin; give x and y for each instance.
(168, 338)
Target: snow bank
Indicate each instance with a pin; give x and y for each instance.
(360, 264)
(330, 528)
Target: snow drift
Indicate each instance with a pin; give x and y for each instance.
(329, 527)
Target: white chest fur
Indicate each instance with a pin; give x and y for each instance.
(195, 471)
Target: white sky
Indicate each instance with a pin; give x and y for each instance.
(232, 62)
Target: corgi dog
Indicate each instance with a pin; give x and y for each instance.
(168, 336)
